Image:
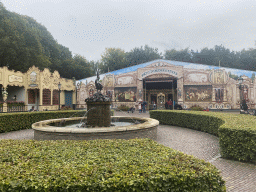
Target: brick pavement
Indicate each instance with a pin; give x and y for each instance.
(239, 177)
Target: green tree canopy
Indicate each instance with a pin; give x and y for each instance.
(181, 55)
(142, 55)
(113, 59)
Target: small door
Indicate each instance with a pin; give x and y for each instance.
(68, 98)
(160, 101)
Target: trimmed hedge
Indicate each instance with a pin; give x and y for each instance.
(102, 165)
(237, 133)
(24, 120)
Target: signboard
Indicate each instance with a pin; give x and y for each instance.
(33, 85)
(150, 72)
(13, 78)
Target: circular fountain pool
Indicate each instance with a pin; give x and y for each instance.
(71, 130)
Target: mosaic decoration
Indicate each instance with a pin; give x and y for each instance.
(108, 81)
(198, 93)
(197, 77)
(125, 94)
(33, 77)
(218, 76)
(13, 78)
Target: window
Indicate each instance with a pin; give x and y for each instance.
(46, 97)
(55, 97)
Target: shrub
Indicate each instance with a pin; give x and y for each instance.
(66, 108)
(15, 103)
(196, 108)
(102, 165)
(24, 120)
(237, 133)
(123, 108)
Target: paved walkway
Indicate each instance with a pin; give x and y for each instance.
(239, 177)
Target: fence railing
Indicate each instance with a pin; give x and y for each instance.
(26, 108)
(16, 108)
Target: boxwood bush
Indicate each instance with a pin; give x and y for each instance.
(102, 165)
(24, 120)
(237, 133)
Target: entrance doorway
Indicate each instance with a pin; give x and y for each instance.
(68, 99)
(162, 89)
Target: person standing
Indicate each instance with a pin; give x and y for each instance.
(154, 105)
(169, 103)
(139, 107)
(144, 106)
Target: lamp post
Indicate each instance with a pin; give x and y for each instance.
(59, 87)
(241, 87)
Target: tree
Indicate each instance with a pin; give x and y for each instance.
(113, 59)
(77, 67)
(181, 55)
(142, 55)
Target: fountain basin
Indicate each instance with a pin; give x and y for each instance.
(146, 129)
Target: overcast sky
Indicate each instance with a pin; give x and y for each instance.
(87, 27)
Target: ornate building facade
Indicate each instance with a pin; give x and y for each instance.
(162, 80)
(35, 88)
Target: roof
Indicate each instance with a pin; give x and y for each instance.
(177, 63)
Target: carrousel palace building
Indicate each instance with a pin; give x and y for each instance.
(188, 84)
(40, 90)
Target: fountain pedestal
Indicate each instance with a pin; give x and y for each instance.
(100, 114)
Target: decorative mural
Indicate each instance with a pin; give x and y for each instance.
(125, 94)
(218, 76)
(125, 80)
(197, 77)
(33, 77)
(200, 93)
(109, 81)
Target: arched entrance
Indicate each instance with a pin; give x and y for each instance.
(158, 91)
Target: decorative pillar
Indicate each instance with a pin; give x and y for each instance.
(180, 91)
(40, 99)
(213, 95)
(225, 95)
(26, 99)
(4, 95)
(139, 90)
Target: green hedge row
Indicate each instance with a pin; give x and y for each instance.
(24, 120)
(237, 133)
(18, 121)
(102, 165)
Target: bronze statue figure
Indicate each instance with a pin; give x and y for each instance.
(97, 83)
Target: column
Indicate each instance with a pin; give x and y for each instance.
(139, 90)
(5, 95)
(225, 95)
(26, 99)
(40, 99)
(180, 90)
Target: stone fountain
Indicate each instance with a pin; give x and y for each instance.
(100, 115)
(98, 125)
